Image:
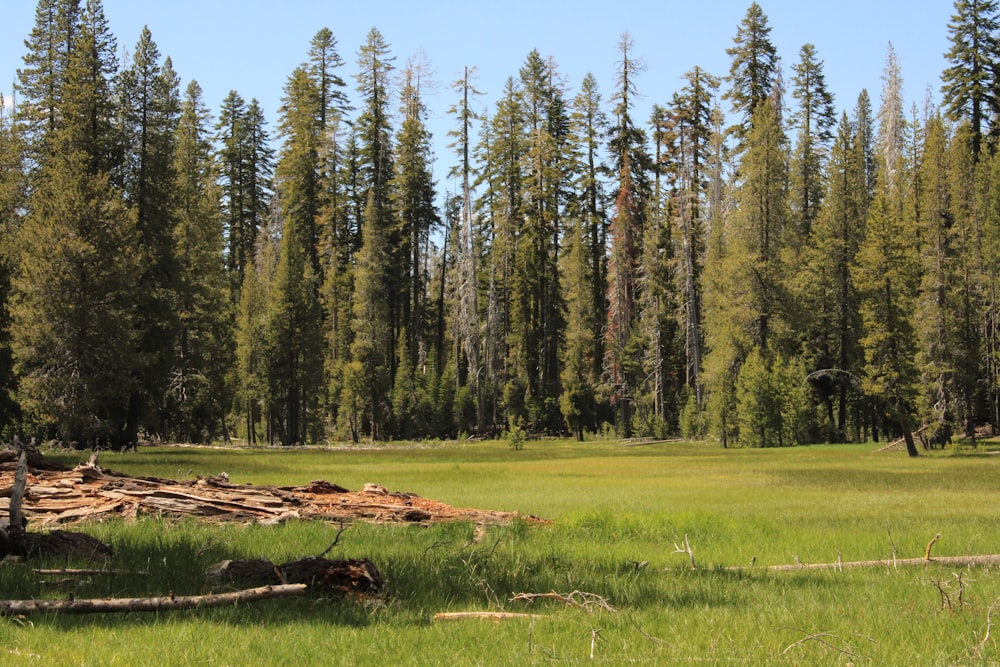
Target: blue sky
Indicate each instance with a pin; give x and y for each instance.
(252, 46)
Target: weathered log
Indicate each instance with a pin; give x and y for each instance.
(166, 603)
(962, 561)
(337, 576)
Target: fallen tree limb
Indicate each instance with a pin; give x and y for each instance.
(578, 599)
(167, 603)
(495, 616)
(966, 561)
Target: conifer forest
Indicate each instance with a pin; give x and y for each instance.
(755, 263)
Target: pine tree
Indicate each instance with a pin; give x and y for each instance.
(73, 330)
(245, 171)
(41, 80)
(815, 121)
(935, 306)
(199, 394)
(970, 87)
(324, 61)
(754, 72)
(413, 195)
(501, 150)
(294, 320)
(469, 246)
(688, 157)
(377, 302)
(625, 235)
(13, 191)
(583, 266)
(970, 272)
(826, 288)
(746, 300)
(536, 308)
(886, 277)
(150, 107)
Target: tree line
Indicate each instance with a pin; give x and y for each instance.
(747, 264)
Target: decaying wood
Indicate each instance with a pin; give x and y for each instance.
(338, 576)
(58, 495)
(578, 599)
(963, 561)
(166, 603)
(495, 616)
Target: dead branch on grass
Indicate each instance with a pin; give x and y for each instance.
(945, 591)
(821, 638)
(977, 650)
(336, 539)
(170, 602)
(686, 549)
(578, 599)
(495, 616)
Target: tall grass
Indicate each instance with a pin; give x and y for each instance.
(618, 515)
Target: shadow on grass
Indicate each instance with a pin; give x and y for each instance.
(444, 567)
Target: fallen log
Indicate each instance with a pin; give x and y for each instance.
(166, 603)
(964, 561)
(357, 577)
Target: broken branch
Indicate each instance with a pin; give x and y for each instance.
(495, 616)
(578, 599)
(170, 602)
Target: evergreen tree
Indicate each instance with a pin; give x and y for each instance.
(73, 332)
(583, 266)
(537, 318)
(621, 369)
(754, 71)
(815, 121)
(245, 171)
(376, 286)
(199, 394)
(687, 157)
(970, 87)
(294, 333)
(969, 273)
(150, 107)
(748, 304)
(826, 288)
(413, 195)
(468, 247)
(13, 188)
(886, 277)
(501, 151)
(935, 307)
(40, 82)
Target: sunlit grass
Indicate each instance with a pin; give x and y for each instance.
(617, 515)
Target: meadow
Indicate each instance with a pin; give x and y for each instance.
(617, 518)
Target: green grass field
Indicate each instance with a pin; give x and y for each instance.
(611, 507)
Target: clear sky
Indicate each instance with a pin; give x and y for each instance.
(252, 46)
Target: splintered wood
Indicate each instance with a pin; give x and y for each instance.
(59, 495)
